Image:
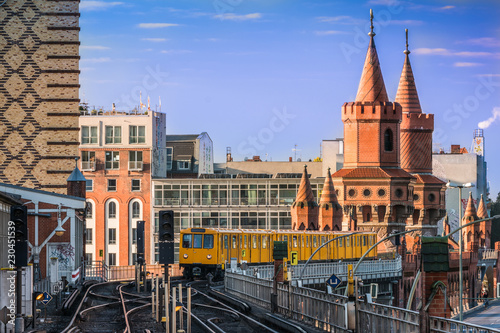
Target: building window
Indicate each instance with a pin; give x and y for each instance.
(135, 160)
(88, 236)
(89, 135)
(170, 155)
(134, 235)
(183, 165)
(113, 134)
(88, 210)
(111, 185)
(136, 210)
(89, 185)
(88, 160)
(112, 210)
(112, 160)
(388, 140)
(137, 134)
(112, 259)
(112, 236)
(88, 257)
(136, 185)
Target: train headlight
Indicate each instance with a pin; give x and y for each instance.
(185, 256)
(209, 256)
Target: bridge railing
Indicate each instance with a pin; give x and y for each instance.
(383, 318)
(324, 311)
(438, 325)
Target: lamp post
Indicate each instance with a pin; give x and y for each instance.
(460, 186)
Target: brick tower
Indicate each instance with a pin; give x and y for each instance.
(38, 92)
(416, 154)
(376, 194)
(304, 209)
(484, 227)
(330, 212)
(471, 233)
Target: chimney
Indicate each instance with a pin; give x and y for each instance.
(290, 159)
(455, 149)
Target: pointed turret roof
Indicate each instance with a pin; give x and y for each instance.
(76, 175)
(371, 86)
(328, 194)
(305, 194)
(482, 212)
(407, 94)
(470, 211)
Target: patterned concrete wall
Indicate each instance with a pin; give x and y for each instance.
(39, 75)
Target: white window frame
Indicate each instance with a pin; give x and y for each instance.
(89, 188)
(132, 185)
(115, 136)
(89, 135)
(134, 162)
(109, 188)
(136, 138)
(114, 162)
(181, 165)
(88, 160)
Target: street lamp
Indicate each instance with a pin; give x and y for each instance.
(460, 186)
(59, 231)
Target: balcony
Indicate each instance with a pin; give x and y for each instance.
(88, 165)
(135, 165)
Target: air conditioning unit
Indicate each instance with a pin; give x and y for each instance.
(374, 290)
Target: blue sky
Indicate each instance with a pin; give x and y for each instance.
(261, 76)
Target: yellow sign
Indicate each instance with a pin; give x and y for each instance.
(243, 253)
(295, 258)
(350, 281)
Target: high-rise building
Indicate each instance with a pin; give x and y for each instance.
(39, 80)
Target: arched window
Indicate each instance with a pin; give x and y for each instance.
(388, 140)
(112, 210)
(89, 210)
(136, 210)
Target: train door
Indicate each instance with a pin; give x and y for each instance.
(264, 248)
(235, 247)
(254, 248)
(364, 244)
(348, 247)
(341, 248)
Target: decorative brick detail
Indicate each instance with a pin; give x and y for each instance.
(26, 96)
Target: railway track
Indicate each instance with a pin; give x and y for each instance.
(108, 307)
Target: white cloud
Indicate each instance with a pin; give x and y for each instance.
(445, 8)
(446, 52)
(98, 5)
(93, 47)
(234, 17)
(384, 2)
(175, 51)
(483, 41)
(96, 60)
(467, 64)
(340, 19)
(155, 40)
(330, 32)
(429, 51)
(156, 25)
(405, 22)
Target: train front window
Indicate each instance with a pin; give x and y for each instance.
(197, 241)
(186, 241)
(208, 241)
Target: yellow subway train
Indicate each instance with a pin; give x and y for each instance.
(205, 250)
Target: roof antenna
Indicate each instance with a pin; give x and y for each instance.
(371, 33)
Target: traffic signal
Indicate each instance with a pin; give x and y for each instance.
(140, 242)
(166, 236)
(19, 216)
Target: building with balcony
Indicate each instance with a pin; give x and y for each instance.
(120, 153)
